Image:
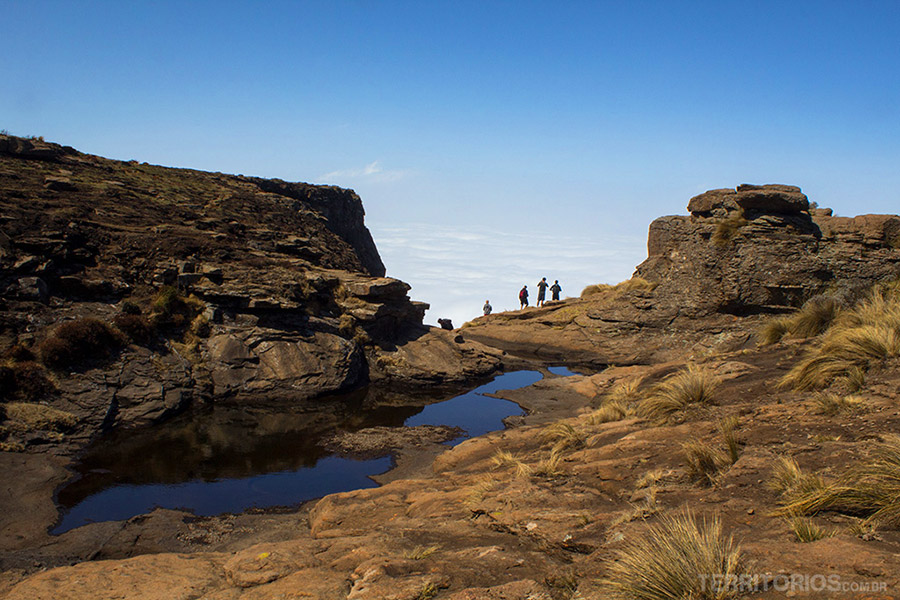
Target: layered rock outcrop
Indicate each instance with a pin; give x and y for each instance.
(762, 249)
(226, 287)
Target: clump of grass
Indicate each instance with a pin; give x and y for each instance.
(420, 552)
(626, 391)
(703, 461)
(831, 404)
(170, 308)
(30, 417)
(728, 228)
(858, 338)
(507, 460)
(74, 342)
(549, 466)
(728, 429)
(674, 560)
(608, 412)
(428, 591)
(805, 530)
(813, 319)
(692, 385)
(791, 483)
(870, 490)
(562, 437)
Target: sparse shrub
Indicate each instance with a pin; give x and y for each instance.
(20, 353)
(692, 385)
(806, 531)
(135, 326)
(673, 560)
(129, 308)
(831, 404)
(30, 416)
(24, 381)
(75, 342)
(728, 228)
(346, 325)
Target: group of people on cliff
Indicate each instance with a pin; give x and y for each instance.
(542, 287)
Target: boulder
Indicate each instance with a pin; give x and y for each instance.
(768, 199)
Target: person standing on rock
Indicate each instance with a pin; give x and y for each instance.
(542, 291)
(555, 289)
(487, 307)
(523, 297)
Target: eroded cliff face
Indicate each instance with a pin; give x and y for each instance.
(762, 249)
(215, 287)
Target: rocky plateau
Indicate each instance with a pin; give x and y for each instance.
(281, 295)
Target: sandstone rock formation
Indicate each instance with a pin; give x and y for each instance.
(760, 249)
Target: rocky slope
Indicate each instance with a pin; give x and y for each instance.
(223, 286)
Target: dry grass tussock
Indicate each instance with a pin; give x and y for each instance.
(75, 341)
(832, 404)
(857, 339)
(563, 436)
(31, 417)
(813, 319)
(692, 385)
(805, 530)
(629, 285)
(619, 402)
(870, 490)
(673, 559)
(791, 483)
(704, 462)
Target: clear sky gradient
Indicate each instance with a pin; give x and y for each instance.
(504, 136)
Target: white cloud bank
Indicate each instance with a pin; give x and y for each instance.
(457, 269)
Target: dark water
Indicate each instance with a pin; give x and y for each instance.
(231, 458)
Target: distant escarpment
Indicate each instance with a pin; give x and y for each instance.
(130, 290)
(741, 252)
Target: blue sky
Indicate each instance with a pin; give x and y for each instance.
(523, 129)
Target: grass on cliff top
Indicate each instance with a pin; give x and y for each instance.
(870, 489)
(629, 285)
(856, 340)
(675, 559)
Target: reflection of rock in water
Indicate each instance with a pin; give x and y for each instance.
(231, 441)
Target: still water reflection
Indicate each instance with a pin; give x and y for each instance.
(229, 458)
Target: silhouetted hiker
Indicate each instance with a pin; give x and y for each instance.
(555, 289)
(542, 291)
(523, 297)
(487, 307)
